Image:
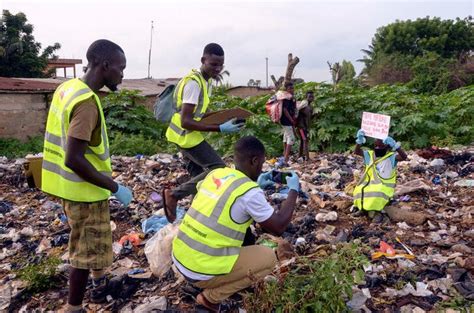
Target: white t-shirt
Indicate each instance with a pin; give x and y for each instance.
(191, 91)
(385, 167)
(251, 205)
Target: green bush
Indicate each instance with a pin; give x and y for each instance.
(131, 145)
(14, 148)
(418, 120)
(312, 284)
(40, 277)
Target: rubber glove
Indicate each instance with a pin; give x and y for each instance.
(392, 143)
(124, 195)
(230, 126)
(265, 179)
(360, 137)
(293, 182)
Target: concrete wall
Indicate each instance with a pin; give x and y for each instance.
(23, 115)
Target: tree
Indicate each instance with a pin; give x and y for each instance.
(20, 54)
(399, 53)
(342, 73)
(220, 78)
(292, 62)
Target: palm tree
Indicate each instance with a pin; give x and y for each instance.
(220, 78)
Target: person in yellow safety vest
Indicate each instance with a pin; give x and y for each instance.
(211, 248)
(185, 130)
(77, 169)
(377, 184)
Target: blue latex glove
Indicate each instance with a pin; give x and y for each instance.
(265, 180)
(360, 137)
(231, 126)
(392, 143)
(293, 182)
(123, 194)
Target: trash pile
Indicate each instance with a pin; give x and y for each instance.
(420, 248)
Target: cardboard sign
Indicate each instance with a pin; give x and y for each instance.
(223, 116)
(375, 125)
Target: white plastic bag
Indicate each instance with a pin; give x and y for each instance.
(158, 249)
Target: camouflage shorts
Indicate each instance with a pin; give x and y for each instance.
(90, 240)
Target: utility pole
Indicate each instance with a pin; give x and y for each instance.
(266, 63)
(149, 52)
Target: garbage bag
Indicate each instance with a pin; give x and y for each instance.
(158, 249)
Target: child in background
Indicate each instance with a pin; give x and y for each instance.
(377, 186)
(303, 123)
(288, 122)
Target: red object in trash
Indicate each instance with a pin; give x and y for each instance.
(386, 248)
(133, 238)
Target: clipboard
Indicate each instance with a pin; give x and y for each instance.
(223, 116)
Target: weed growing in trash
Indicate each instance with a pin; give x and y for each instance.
(312, 284)
(458, 302)
(40, 277)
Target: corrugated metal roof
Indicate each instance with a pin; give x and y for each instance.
(147, 87)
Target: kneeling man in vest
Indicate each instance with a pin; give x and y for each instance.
(377, 185)
(208, 249)
(77, 169)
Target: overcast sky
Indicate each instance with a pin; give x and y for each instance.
(249, 31)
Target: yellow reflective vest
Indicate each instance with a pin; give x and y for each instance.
(374, 192)
(57, 178)
(209, 241)
(175, 133)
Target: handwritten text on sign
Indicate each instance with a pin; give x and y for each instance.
(375, 125)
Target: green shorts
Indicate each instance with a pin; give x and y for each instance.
(90, 239)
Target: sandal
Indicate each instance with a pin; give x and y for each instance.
(201, 300)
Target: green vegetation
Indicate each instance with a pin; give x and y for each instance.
(418, 120)
(14, 148)
(430, 54)
(312, 284)
(20, 54)
(40, 276)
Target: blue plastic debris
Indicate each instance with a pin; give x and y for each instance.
(436, 180)
(155, 222)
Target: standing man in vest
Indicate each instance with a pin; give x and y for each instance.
(208, 249)
(377, 186)
(192, 100)
(77, 169)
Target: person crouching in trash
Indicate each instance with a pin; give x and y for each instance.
(377, 185)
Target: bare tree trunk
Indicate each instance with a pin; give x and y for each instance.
(292, 62)
(278, 83)
(335, 73)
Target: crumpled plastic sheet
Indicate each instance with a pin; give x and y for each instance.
(156, 222)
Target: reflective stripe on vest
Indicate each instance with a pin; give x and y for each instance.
(209, 240)
(175, 133)
(57, 178)
(374, 192)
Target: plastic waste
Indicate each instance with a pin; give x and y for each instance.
(158, 249)
(156, 197)
(155, 223)
(326, 217)
(134, 238)
(389, 252)
(153, 304)
(436, 180)
(437, 162)
(464, 183)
